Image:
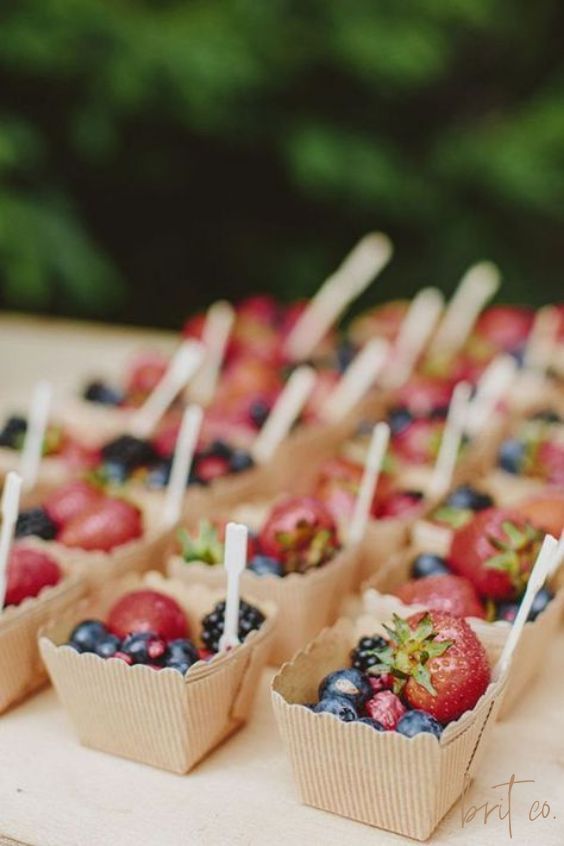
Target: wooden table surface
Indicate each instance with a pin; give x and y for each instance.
(53, 792)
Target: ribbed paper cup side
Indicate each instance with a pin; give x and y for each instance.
(21, 668)
(306, 603)
(508, 490)
(431, 537)
(382, 779)
(158, 718)
(382, 540)
(52, 471)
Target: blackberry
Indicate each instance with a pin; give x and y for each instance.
(129, 452)
(362, 657)
(219, 449)
(35, 521)
(250, 619)
(101, 393)
(13, 433)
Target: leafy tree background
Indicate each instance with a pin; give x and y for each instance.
(157, 154)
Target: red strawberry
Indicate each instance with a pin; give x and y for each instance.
(505, 327)
(146, 372)
(382, 682)
(28, 572)
(452, 594)
(438, 662)
(400, 504)
(383, 321)
(148, 611)
(419, 442)
(103, 525)
(338, 484)
(550, 459)
(194, 326)
(424, 394)
(300, 532)
(386, 708)
(496, 551)
(70, 500)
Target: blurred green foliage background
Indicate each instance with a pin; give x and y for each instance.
(156, 154)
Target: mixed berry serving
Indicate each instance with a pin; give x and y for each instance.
(80, 514)
(57, 443)
(460, 506)
(150, 627)
(427, 671)
(299, 534)
(486, 571)
(28, 572)
(142, 377)
(536, 450)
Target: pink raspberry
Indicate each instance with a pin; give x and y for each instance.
(386, 708)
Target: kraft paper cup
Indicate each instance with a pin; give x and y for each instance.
(382, 540)
(160, 718)
(404, 785)
(535, 641)
(135, 556)
(93, 423)
(21, 668)
(53, 469)
(306, 602)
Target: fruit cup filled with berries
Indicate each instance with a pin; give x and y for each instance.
(295, 559)
(481, 577)
(39, 586)
(383, 723)
(97, 532)
(143, 673)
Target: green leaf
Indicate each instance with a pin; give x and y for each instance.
(423, 677)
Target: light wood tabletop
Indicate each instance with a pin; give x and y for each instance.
(53, 792)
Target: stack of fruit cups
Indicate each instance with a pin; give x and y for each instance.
(157, 699)
(480, 576)
(436, 687)
(34, 588)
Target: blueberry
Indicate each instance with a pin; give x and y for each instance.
(87, 635)
(98, 391)
(399, 419)
(428, 564)
(507, 611)
(258, 412)
(178, 664)
(240, 460)
(339, 707)
(512, 456)
(114, 471)
(264, 565)
(182, 650)
(35, 521)
(414, 722)
(144, 648)
(159, 474)
(368, 721)
(220, 449)
(107, 646)
(345, 353)
(541, 600)
(13, 433)
(363, 656)
(518, 354)
(347, 684)
(466, 496)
